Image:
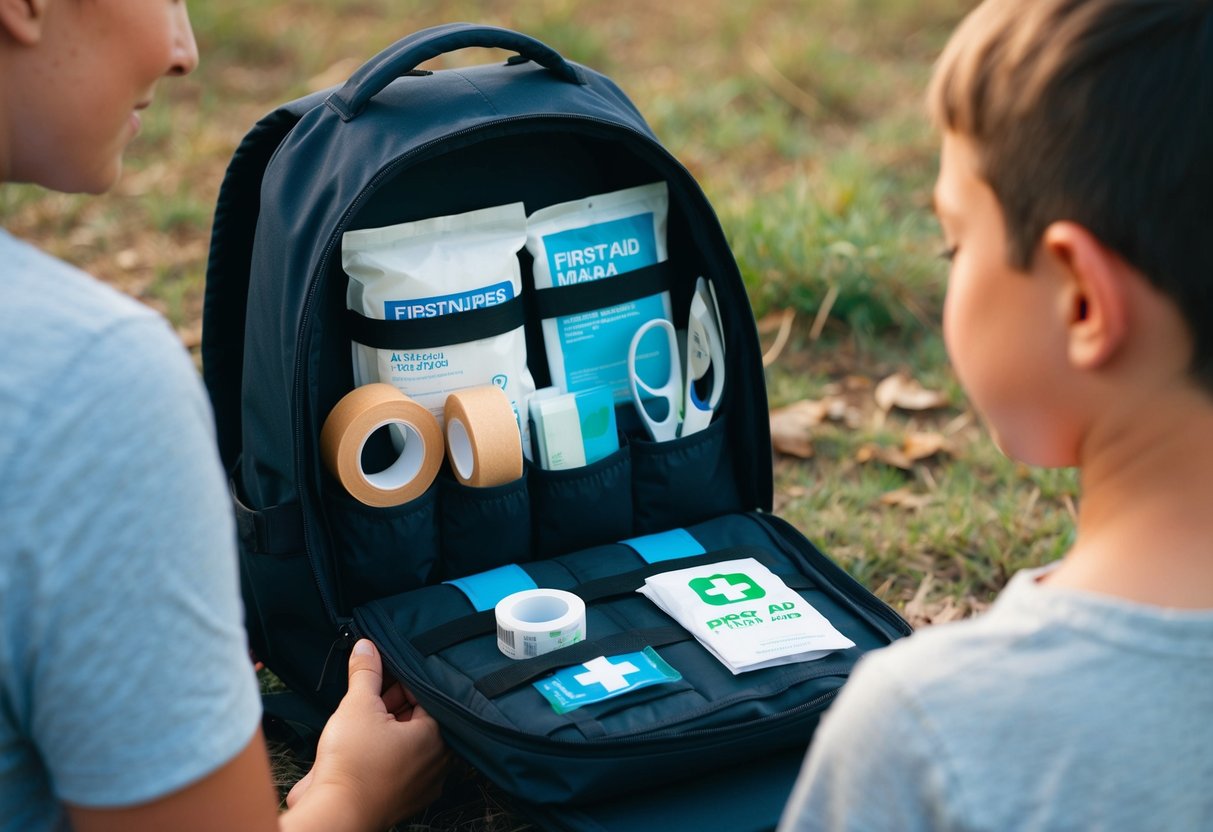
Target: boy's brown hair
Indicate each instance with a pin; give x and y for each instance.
(1099, 112)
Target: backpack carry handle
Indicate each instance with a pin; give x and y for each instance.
(408, 53)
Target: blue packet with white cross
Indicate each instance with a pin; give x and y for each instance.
(604, 678)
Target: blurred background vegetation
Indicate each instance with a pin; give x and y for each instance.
(803, 121)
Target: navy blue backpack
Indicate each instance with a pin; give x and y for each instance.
(396, 144)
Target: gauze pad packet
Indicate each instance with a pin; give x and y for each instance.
(744, 614)
(599, 238)
(605, 678)
(433, 267)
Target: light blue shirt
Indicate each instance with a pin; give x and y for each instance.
(124, 671)
(1056, 710)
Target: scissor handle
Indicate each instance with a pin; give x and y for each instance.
(660, 430)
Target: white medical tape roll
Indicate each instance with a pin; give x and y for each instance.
(537, 621)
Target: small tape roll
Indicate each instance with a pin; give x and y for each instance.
(537, 621)
(482, 438)
(360, 413)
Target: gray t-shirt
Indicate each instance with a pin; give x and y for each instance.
(124, 671)
(1056, 710)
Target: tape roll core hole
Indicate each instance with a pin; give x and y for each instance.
(407, 465)
(461, 448)
(539, 609)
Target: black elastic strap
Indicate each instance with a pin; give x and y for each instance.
(454, 632)
(559, 301)
(276, 530)
(517, 674)
(483, 623)
(440, 331)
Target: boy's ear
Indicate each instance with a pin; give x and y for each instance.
(21, 20)
(1095, 295)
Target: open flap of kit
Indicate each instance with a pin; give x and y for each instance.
(566, 657)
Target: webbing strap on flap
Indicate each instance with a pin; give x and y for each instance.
(519, 673)
(483, 623)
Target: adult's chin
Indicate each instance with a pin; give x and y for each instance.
(95, 181)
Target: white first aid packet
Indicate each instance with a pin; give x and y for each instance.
(744, 614)
(599, 238)
(433, 267)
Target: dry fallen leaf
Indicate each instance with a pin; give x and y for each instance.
(923, 445)
(899, 390)
(905, 498)
(127, 259)
(791, 427)
(914, 448)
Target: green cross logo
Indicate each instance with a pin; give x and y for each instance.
(718, 590)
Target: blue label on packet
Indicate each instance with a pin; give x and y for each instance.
(604, 678)
(407, 310)
(595, 344)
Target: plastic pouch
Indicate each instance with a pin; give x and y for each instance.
(599, 238)
(431, 268)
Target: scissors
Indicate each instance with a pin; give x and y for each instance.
(686, 409)
(671, 393)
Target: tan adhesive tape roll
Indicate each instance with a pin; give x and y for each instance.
(360, 413)
(482, 438)
(537, 621)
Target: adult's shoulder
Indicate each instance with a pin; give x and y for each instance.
(61, 329)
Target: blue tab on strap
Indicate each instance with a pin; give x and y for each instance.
(485, 589)
(655, 548)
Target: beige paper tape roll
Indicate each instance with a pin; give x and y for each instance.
(360, 413)
(482, 439)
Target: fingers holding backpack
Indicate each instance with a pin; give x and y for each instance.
(381, 756)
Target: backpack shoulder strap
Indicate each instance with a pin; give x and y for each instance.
(228, 268)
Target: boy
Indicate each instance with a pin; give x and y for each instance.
(127, 700)
(1076, 194)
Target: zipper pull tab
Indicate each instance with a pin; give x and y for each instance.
(343, 644)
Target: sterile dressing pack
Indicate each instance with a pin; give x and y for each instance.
(598, 238)
(434, 267)
(744, 614)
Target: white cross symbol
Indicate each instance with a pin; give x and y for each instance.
(610, 676)
(731, 592)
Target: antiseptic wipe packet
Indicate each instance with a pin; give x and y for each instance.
(599, 238)
(433, 267)
(744, 614)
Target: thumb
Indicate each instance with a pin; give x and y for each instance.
(366, 668)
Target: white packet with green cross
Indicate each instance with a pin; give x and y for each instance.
(744, 614)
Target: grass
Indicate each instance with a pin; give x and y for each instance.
(803, 121)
